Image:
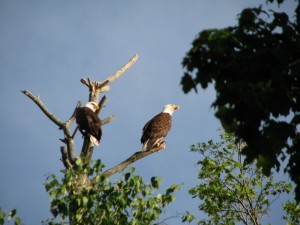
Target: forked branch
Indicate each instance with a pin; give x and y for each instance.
(95, 88)
(68, 155)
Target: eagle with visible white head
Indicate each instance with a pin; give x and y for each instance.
(89, 123)
(157, 128)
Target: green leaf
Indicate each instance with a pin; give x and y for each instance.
(193, 191)
(289, 187)
(154, 182)
(188, 217)
(79, 162)
(78, 217)
(78, 201)
(85, 201)
(159, 197)
(2, 216)
(187, 83)
(127, 176)
(18, 221)
(11, 214)
(259, 183)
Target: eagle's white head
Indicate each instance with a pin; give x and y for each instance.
(93, 106)
(170, 108)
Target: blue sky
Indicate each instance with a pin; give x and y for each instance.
(48, 46)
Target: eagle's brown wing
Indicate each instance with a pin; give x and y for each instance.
(89, 123)
(156, 129)
(94, 125)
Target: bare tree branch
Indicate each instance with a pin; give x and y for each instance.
(107, 120)
(75, 131)
(123, 165)
(101, 85)
(38, 102)
(178, 215)
(123, 69)
(87, 150)
(65, 158)
(70, 144)
(84, 82)
(68, 140)
(72, 118)
(96, 87)
(101, 104)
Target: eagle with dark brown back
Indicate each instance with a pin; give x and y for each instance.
(157, 128)
(89, 123)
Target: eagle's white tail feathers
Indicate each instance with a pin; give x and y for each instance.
(94, 140)
(157, 142)
(144, 147)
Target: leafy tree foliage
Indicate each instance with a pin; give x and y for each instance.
(232, 191)
(292, 213)
(255, 70)
(11, 215)
(126, 201)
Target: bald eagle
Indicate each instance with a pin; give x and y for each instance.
(89, 123)
(157, 128)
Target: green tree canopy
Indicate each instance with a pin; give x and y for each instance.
(254, 68)
(233, 192)
(128, 200)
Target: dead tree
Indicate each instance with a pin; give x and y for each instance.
(68, 156)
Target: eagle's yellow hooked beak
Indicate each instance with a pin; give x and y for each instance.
(176, 107)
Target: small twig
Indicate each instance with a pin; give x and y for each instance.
(72, 118)
(63, 140)
(75, 131)
(89, 82)
(101, 104)
(84, 82)
(102, 84)
(107, 120)
(178, 215)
